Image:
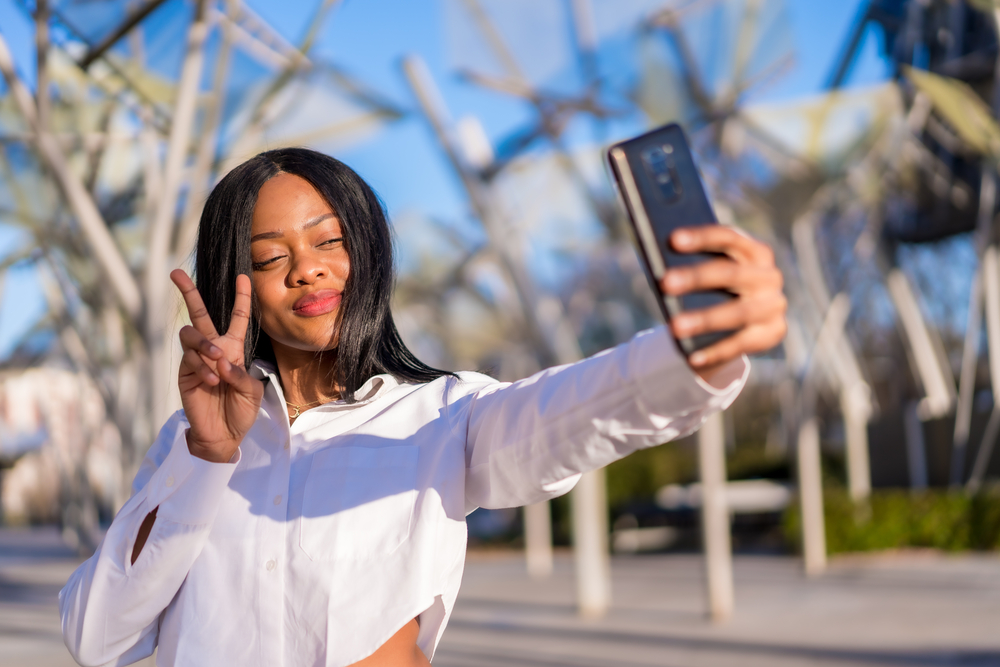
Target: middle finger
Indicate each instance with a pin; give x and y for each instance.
(720, 274)
(728, 316)
(192, 339)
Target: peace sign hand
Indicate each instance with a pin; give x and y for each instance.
(220, 398)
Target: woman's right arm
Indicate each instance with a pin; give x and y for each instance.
(110, 606)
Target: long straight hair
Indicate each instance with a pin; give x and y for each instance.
(368, 343)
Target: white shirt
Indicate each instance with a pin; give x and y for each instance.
(322, 539)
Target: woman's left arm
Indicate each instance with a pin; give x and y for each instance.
(529, 440)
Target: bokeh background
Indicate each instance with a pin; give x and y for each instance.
(858, 138)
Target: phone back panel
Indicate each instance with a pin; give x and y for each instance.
(659, 183)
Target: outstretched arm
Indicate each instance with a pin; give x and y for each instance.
(529, 440)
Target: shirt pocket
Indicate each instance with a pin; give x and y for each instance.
(358, 502)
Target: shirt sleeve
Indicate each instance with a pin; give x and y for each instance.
(110, 607)
(531, 440)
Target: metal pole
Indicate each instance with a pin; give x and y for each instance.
(590, 545)
(856, 410)
(715, 518)
(538, 539)
(835, 355)
(811, 496)
(991, 294)
(548, 327)
(967, 381)
(936, 377)
(105, 249)
(970, 349)
(156, 284)
(916, 453)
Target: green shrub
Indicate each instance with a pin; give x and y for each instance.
(637, 477)
(895, 519)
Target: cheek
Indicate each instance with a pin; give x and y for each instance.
(340, 266)
(266, 301)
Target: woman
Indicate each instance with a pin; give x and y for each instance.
(307, 506)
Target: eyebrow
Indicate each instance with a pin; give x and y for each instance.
(278, 234)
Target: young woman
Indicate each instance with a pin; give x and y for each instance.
(307, 506)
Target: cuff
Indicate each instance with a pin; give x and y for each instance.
(188, 489)
(662, 369)
(731, 376)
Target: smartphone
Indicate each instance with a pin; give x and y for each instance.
(658, 183)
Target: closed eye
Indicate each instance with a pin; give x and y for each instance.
(257, 266)
(332, 241)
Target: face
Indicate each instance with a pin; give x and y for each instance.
(300, 265)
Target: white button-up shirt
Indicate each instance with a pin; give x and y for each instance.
(323, 538)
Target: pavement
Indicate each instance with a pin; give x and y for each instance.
(34, 565)
(884, 610)
(922, 608)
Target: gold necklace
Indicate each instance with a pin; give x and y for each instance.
(299, 408)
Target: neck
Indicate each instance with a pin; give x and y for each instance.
(306, 377)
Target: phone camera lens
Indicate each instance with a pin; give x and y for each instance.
(661, 168)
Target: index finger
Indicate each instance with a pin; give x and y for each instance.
(200, 318)
(240, 318)
(727, 240)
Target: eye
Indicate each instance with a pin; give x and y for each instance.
(257, 266)
(332, 241)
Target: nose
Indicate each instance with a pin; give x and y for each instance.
(306, 269)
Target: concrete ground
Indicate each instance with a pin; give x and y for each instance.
(34, 565)
(903, 609)
(908, 609)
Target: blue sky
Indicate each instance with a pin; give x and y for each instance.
(368, 38)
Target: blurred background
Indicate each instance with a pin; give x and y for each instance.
(859, 139)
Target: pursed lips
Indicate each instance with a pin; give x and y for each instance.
(320, 302)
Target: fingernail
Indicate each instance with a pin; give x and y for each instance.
(697, 359)
(682, 238)
(682, 324)
(214, 350)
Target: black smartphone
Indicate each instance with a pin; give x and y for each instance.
(658, 184)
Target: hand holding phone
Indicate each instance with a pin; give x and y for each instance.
(719, 289)
(743, 267)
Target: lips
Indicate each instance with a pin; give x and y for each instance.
(317, 303)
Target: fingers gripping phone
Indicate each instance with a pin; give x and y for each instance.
(659, 185)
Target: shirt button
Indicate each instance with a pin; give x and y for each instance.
(270, 565)
(169, 482)
(277, 499)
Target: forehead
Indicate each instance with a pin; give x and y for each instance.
(287, 200)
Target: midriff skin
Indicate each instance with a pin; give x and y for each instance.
(400, 651)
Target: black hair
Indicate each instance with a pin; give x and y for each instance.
(368, 342)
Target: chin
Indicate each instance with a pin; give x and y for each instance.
(306, 343)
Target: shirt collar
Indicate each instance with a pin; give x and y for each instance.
(373, 388)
